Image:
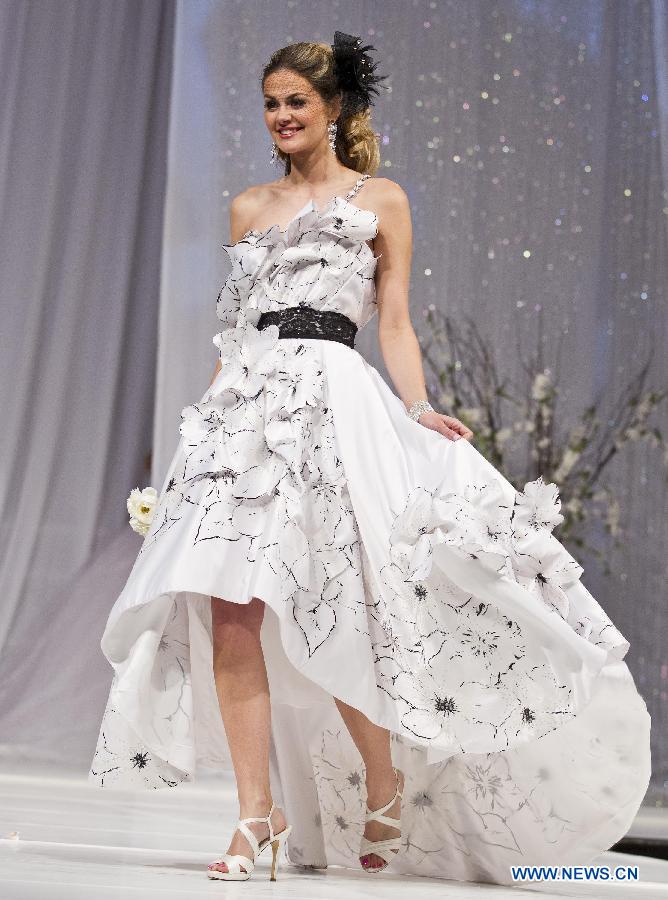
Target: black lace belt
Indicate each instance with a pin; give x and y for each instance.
(306, 322)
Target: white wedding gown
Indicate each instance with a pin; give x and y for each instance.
(401, 572)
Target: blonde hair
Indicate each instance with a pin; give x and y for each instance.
(356, 141)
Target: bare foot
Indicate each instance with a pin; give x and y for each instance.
(378, 794)
(239, 844)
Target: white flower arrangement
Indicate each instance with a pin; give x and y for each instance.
(141, 505)
(517, 426)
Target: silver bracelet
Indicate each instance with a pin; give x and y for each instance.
(418, 408)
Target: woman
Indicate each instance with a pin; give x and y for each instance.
(318, 539)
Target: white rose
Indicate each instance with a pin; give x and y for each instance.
(141, 505)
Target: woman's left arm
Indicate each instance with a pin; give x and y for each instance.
(397, 339)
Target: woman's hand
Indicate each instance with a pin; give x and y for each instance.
(449, 426)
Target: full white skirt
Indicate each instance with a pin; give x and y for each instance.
(401, 573)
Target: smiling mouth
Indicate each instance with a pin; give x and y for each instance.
(289, 132)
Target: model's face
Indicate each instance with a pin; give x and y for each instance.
(294, 112)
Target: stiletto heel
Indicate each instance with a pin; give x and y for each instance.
(386, 849)
(276, 847)
(236, 861)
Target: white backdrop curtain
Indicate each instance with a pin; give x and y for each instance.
(83, 120)
(513, 126)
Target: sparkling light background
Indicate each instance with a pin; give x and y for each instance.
(528, 137)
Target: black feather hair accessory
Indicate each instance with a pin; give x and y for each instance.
(354, 71)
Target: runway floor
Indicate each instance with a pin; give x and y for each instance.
(63, 839)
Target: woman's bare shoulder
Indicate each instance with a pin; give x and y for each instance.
(390, 203)
(247, 204)
(253, 196)
(388, 193)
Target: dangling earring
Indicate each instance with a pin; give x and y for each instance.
(274, 153)
(331, 128)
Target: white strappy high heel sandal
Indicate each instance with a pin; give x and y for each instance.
(388, 848)
(235, 861)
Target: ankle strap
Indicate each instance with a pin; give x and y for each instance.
(377, 814)
(266, 819)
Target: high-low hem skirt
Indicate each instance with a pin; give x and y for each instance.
(401, 573)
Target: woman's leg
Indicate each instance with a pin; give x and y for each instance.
(243, 694)
(373, 743)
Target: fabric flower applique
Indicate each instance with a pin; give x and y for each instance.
(537, 507)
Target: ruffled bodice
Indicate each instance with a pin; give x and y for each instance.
(322, 259)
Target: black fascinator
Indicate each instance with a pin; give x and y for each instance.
(354, 71)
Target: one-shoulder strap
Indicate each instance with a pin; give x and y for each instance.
(358, 184)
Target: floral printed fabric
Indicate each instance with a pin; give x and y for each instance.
(472, 816)
(502, 692)
(409, 579)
